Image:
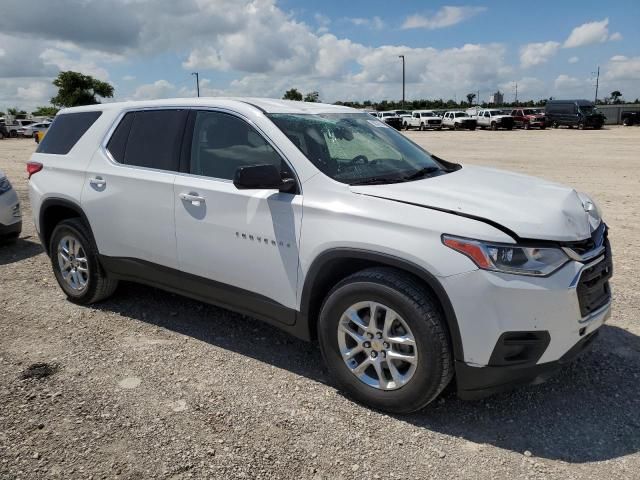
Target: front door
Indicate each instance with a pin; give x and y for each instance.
(246, 241)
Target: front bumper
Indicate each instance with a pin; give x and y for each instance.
(479, 382)
(546, 317)
(11, 230)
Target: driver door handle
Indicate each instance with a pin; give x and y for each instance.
(194, 198)
(98, 182)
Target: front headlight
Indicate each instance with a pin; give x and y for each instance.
(5, 185)
(509, 258)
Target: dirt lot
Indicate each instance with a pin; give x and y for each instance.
(154, 385)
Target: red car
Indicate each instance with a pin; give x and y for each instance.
(529, 117)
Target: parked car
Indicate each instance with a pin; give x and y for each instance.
(423, 119)
(529, 118)
(4, 132)
(457, 120)
(391, 118)
(630, 118)
(30, 130)
(17, 125)
(406, 268)
(10, 214)
(494, 119)
(573, 113)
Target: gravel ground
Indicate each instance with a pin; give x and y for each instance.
(150, 384)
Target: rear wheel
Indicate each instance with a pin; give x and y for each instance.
(580, 126)
(626, 122)
(384, 341)
(1, 135)
(74, 259)
(555, 125)
(494, 126)
(527, 126)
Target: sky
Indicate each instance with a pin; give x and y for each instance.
(345, 50)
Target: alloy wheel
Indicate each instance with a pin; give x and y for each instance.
(73, 263)
(377, 345)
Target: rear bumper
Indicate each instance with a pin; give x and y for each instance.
(478, 382)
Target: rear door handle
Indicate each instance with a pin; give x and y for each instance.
(194, 198)
(98, 182)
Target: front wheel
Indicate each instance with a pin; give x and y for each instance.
(494, 126)
(74, 259)
(384, 341)
(580, 126)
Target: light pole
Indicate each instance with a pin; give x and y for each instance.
(402, 57)
(197, 82)
(597, 82)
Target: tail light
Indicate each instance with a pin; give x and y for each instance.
(33, 167)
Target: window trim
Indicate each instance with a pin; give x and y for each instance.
(192, 109)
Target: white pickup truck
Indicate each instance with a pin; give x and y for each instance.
(423, 119)
(456, 120)
(494, 119)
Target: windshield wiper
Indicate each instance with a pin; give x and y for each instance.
(377, 181)
(423, 172)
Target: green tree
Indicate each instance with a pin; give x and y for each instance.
(615, 96)
(45, 111)
(470, 98)
(312, 97)
(76, 89)
(292, 94)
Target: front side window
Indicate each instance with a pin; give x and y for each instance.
(352, 148)
(222, 143)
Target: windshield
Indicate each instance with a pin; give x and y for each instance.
(388, 114)
(353, 148)
(460, 114)
(531, 111)
(587, 109)
(403, 112)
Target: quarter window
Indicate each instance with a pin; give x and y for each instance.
(222, 143)
(65, 132)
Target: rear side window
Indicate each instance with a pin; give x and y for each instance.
(65, 131)
(150, 138)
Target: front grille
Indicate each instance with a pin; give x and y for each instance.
(593, 289)
(434, 122)
(598, 237)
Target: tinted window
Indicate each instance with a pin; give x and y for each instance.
(221, 143)
(118, 141)
(66, 130)
(153, 139)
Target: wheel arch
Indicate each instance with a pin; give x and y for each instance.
(52, 212)
(336, 264)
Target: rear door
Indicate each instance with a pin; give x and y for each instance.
(245, 240)
(128, 192)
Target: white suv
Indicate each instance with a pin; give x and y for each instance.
(407, 269)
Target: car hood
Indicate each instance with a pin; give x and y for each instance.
(501, 116)
(530, 207)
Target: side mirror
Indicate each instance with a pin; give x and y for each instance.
(258, 177)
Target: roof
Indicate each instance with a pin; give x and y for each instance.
(267, 105)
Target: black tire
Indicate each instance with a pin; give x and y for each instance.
(99, 286)
(542, 127)
(415, 305)
(13, 134)
(527, 126)
(626, 122)
(494, 126)
(580, 126)
(1, 135)
(456, 126)
(555, 125)
(472, 128)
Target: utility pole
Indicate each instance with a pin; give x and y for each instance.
(516, 102)
(402, 57)
(478, 98)
(597, 82)
(197, 82)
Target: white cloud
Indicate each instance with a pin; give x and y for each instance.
(129, 78)
(566, 83)
(529, 88)
(2, 52)
(574, 59)
(533, 54)
(157, 89)
(447, 16)
(323, 22)
(587, 34)
(35, 92)
(614, 37)
(375, 23)
(621, 68)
